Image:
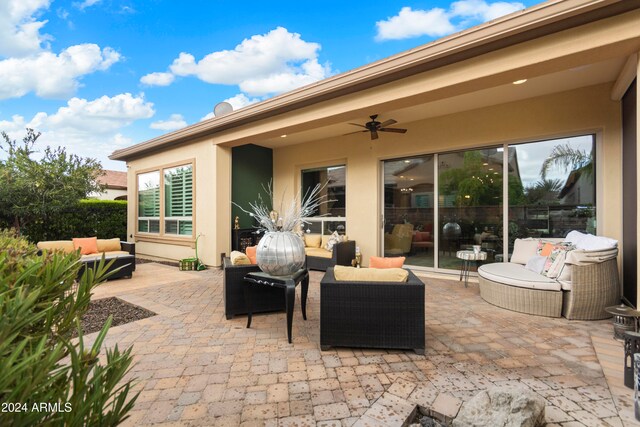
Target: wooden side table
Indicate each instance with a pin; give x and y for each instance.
(467, 257)
(288, 283)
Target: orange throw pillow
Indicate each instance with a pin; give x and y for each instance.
(381, 262)
(251, 253)
(544, 249)
(87, 246)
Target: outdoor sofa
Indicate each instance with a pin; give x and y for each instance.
(265, 299)
(586, 283)
(319, 258)
(122, 253)
(372, 314)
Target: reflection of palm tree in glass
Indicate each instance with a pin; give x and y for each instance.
(569, 158)
(544, 192)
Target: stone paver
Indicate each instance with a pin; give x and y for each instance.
(195, 367)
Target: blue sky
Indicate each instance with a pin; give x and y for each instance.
(98, 75)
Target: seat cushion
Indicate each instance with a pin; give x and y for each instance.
(516, 275)
(318, 252)
(524, 250)
(352, 274)
(108, 255)
(238, 258)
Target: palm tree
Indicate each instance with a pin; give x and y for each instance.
(567, 157)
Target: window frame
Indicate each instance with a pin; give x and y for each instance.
(162, 236)
(326, 165)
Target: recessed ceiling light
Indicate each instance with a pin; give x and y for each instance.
(519, 82)
(283, 136)
(401, 176)
(407, 161)
(411, 179)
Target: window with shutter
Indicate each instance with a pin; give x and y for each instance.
(178, 200)
(149, 202)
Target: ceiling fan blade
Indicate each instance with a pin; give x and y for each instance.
(356, 124)
(351, 133)
(388, 123)
(392, 130)
(374, 135)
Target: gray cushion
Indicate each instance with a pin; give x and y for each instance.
(513, 274)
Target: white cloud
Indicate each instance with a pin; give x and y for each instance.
(176, 121)
(19, 29)
(439, 22)
(50, 75)
(87, 128)
(85, 4)
(261, 65)
(157, 79)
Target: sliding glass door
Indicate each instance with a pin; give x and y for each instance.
(438, 204)
(409, 210)
(469, 203)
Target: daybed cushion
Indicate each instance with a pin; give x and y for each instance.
(108, 245)
(238, 258)
(516, 275)
(589, 242)
(317, 252)
(352, 274)
(386, 262)
(312, 240)
(524, 250)
(65, 246)
(87, 245)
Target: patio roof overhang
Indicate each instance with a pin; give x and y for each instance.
(557, 46)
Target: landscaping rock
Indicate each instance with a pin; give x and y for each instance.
(502, 407)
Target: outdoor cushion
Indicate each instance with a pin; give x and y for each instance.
(333, 239)
(353, 274)
(65, 246)
(107, 255)
(106, 245)
(593, 243)
(513, 274)
(238, 258)
(324, 241)
(524, 250)
(312, 240)
(317, 252)
(386, 262)
(536, 263)
(87, 245)
(252, 253)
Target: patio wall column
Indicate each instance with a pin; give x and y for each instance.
(220, 189)
(638, 175)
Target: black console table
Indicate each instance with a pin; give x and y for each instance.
(288, 283)
(242, 238)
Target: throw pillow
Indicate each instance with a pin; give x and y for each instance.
(108, 245)
(238, 258)
(544, 248)
(555, 261)
(388, 262)
(523, 250)
(87, 245)
(312, 240)
(333, 239)
(251, 252)
(536, 263)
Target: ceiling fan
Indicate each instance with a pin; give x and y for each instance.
(375, 126)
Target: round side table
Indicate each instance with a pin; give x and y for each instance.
(624, 319)
(467, 258)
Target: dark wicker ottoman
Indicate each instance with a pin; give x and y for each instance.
(265, 299)
(372, 314)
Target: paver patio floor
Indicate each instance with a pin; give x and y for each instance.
(195, 367)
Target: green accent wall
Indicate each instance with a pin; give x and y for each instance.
(251, 169)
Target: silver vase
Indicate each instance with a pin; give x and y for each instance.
(280, 253)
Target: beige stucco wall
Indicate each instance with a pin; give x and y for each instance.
(579, 111)
(212, 176)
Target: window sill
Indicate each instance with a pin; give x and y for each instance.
(167, 240)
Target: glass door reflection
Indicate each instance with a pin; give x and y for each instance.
(409, 209)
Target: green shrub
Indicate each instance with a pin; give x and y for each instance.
(40, 307)
(103, 218)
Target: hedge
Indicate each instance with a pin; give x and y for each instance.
(103, 218)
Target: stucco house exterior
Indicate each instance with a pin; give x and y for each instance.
(483, 109)
(115, 185)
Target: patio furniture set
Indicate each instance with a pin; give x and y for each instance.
(358, 310)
